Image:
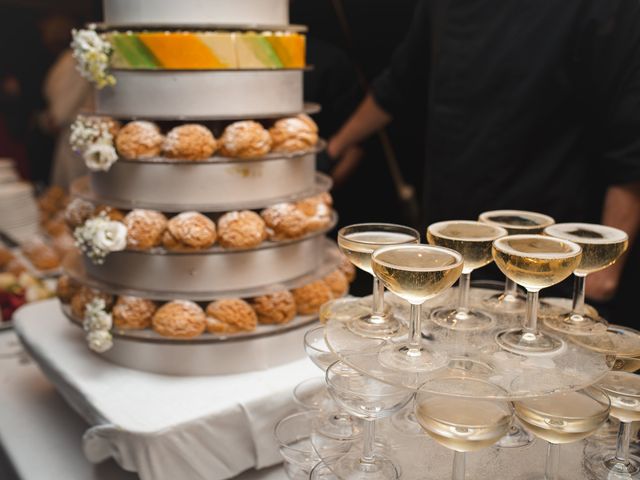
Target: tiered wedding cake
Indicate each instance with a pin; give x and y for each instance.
(202, 219)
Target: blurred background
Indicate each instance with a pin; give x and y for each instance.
(348, 51)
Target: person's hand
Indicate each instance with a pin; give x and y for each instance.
(334, 149)
(346, 164)
(601, 286)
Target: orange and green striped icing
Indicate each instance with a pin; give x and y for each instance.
(207, 50)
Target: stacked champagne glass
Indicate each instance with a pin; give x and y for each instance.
(478, 370)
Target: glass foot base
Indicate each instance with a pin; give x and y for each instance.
(528, 343)
(606, 466)
(338, 426)
(403, 357)
(517, 437)
(505, 303)
(455, 319)
(372, 326)
(406, 423)
(351, 467)
(577, 324)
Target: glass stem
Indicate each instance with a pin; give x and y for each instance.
(510, 288)
(378, 297)
(531, 320)
(464, 285)
(459, 460)
(579, 283)
(368, 455)
(415, 330)
(622, 443)
(553, 462)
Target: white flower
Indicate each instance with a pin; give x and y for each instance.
(111, 237)
(100, 157)
(100, 236)
(96, 317)
(99, 341)
(92, 138)
(92, 52)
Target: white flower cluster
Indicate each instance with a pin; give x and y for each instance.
(97, 323)
(91, 137)
(100, 236)
(92, 53)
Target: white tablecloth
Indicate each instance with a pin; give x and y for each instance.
(159, 426)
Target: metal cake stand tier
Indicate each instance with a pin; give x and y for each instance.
(310, 108)
(196, 12)
(203, 94)
(143, 196)
(471, 354)
(266, 347)
(204, 276)
(219, 183)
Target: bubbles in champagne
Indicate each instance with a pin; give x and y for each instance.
(417, 272)
(359, 245)
(517, 221)
(472, 239)
(463, 424)
(459, 417)
(624, 391)
(601, 245)
(566, 417)
(534, 261)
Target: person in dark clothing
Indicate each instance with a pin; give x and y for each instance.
(530, 105)
(332, 84)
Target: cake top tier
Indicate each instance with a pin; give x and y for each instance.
(196, 12)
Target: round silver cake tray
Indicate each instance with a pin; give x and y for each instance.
(139, 191)
(219, 183)
(202, 94)
(266, 347)
(310, 108)
(207, 276)
(196, 12)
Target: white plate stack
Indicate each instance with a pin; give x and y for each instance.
(19, 217)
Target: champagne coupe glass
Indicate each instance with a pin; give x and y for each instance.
(515, 222)
(293, 434)
(415, 273)
(312, 394)
(620, 344)
(369, 399)
(510, 301)
(563, 418)
(473, 240)
(358, 242)
(465, 417)
(601, 247)
(535, 262)
(334, 423)
(623, 389)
